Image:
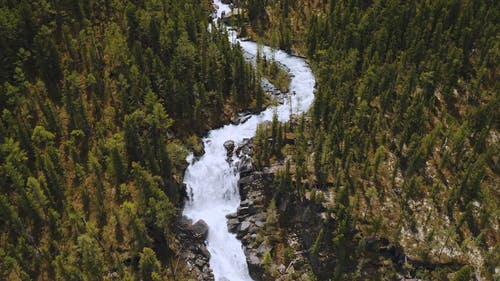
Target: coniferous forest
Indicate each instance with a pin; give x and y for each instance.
(398, 158)
(402, 143)
(100, 103)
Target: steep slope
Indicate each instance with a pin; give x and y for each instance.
(100, 102)
(402, 144)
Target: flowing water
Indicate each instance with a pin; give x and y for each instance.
(212, 182)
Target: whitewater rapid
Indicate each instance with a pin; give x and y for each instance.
(212, 182)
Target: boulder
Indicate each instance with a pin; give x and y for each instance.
(246, 180)
(246, 203)
(229, 146)
(240, 118)
(204, 251)
(245, 148)
(232, 224)
(246, 211)
(245, 118)
(263, 248)
(231, 216)
(244, 226)
(245, 166)
(235, 120)
(253, 228)
(200, 263)
(253, 259)
(254, 266)
(281, 268)
(200, 229)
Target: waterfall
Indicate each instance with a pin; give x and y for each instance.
(212, 181)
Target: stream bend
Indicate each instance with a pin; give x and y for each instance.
(212, 182)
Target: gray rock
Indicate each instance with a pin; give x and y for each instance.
(246, 148)
(246, 180)
(244, 226)
(204, 251)
(232, 224)
(246, 203)
(200, 263)
(245, 166)
(246, 211)
(200, 229)
(231, 216)
(229, 146)
(262, 249)
(235, 120)
(242, 117)
(253, 229)
(260, 217)
(281, 268)
(189, 255)
(252, 259)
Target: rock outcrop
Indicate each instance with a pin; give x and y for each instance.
(251, 218)
(294, 229)
(194, 250)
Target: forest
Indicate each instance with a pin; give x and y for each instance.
(403, 134)
(101, 102)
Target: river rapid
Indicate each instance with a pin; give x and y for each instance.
(212, 182)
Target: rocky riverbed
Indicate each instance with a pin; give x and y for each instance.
(192, 237)
(255, 223)
(286, 237)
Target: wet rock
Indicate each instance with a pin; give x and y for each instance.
(246, 211)
(246, 180)
(246, 203)
(232, 224)
(204, 251)
(245, 166)
(235, 120)
(207, 273)
(245, 148)
(245, 118)
(231, 216)
(195, 253)
(241, 118)
(229, 146)
(200, 229)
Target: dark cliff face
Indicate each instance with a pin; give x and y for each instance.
(267, 221)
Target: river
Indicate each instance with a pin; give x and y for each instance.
(212, 181)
